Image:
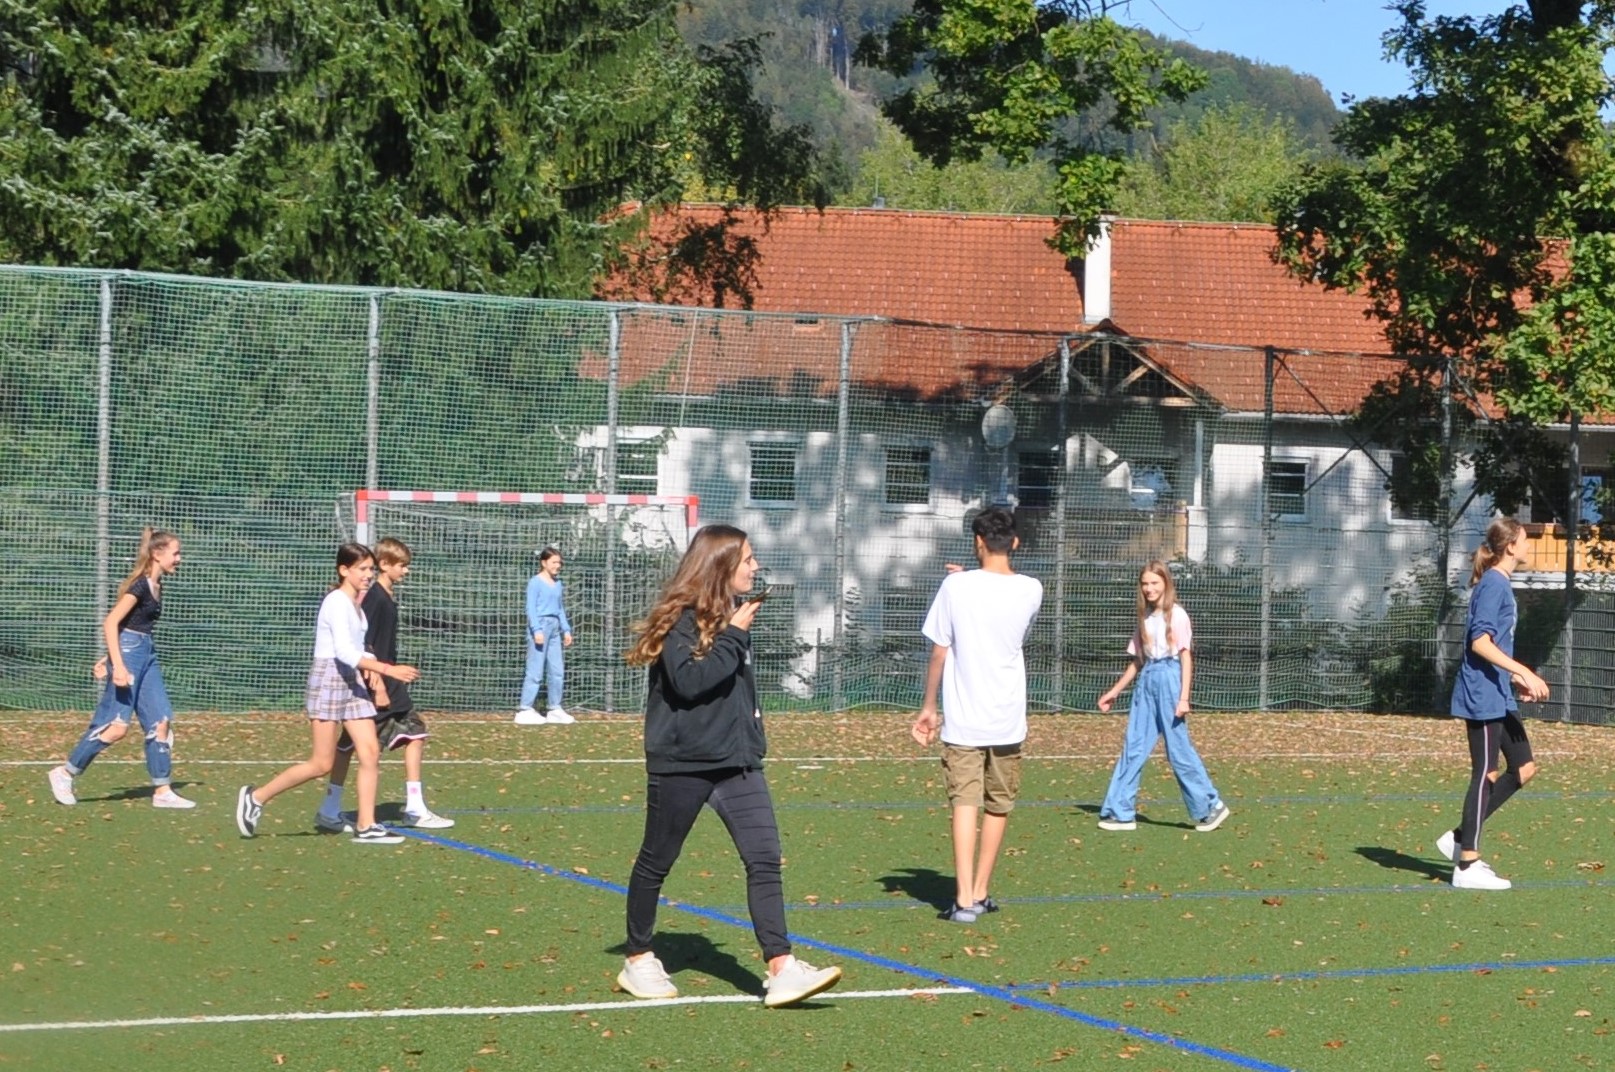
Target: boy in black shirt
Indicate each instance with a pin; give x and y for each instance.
(397, 724)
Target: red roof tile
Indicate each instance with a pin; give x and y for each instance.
(1217, 283)
(936, 267)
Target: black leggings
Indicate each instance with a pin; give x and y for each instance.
(672, 803)
(1486, 739)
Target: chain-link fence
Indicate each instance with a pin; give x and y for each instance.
(855, 451)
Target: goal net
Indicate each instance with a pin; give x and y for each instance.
(462, 616)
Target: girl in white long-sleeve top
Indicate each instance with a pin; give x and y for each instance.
(337, 698)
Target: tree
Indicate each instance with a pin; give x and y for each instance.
(897, 174)
(1006, 75)
(474, 145)
(1227, 165)
(1475, 213)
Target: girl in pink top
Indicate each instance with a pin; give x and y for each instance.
(1159, 657)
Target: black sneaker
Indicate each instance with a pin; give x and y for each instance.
(247, 812)
(958, 913)
(985, 905)
(377, 835)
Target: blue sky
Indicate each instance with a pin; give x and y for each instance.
(1336, 40)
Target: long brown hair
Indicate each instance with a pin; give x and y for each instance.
(702, 584)
(1169, 599)
(151, 541)
(1499, 534)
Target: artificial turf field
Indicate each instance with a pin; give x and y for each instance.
(1314, 930)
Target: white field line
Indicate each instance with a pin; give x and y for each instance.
(485, 1010)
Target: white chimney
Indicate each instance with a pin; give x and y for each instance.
(1096, 277)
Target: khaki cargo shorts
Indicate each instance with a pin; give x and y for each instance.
(985, 776)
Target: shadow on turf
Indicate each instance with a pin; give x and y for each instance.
(1141, 818)
(138, 792)
(1392, 860)
(924, 884)
(679, 951)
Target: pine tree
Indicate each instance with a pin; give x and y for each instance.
(476, 145)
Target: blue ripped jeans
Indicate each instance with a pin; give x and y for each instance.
(146, 698)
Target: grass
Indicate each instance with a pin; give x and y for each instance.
(1315, 930)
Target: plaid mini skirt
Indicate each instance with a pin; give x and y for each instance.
(336, 693)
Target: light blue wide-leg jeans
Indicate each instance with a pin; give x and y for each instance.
(1152, 714)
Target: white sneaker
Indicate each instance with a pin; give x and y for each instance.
(1117, 824)
(529, 717)
(171, 799)
(61, 786)
(426, 820)
(644, 977)
(1214, 820)
(335, 824)
(1447, 845)
(558, 716)
(797, 981)
(1478, 876)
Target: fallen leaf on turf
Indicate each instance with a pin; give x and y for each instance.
(1590, 865)
(580, 870)
(1275, 1032)
(1273, 902)
(356, 985)
(17, 966)
(1335, 1044)
(928, 998)
(1583, 1012)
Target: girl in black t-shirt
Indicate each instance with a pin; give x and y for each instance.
(135, 686)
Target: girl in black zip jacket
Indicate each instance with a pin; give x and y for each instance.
(704, 745)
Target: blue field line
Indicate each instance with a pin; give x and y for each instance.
(1004, 994)
(1073, 805)
(1311, 976)
(907, 903)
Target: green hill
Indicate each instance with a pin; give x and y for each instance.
(809, 79)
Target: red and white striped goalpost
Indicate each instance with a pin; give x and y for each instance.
(365, 496)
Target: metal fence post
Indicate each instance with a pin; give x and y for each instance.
(103, 455)
(1264, 671)
(372, 421)
(613, 400)
(1572, 529)
(1445, 519)
(843, 431)
(1062, 431)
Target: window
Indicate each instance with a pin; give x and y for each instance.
(1038, 478)
(902, 614)
(1151, 487)
(1418, 505)
(773, 473)
(636, 466)
(1553, 506)
(1287, 489)
(908, 476)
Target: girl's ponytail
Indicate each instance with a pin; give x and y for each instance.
(1499, 534)
(151, 541)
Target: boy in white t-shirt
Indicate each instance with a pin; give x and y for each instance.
(977, 625)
